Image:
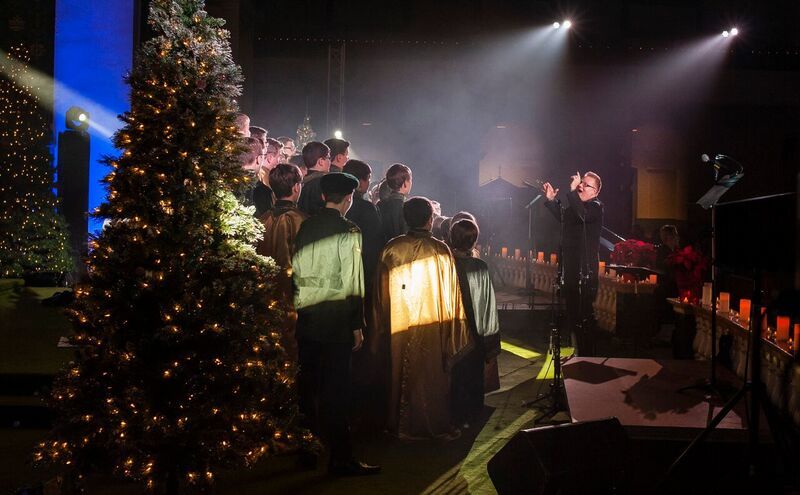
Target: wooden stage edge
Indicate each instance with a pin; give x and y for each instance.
(643, 394)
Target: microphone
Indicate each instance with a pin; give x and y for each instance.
(723, 165)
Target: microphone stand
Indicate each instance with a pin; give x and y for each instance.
(556, 386)
(529, 207)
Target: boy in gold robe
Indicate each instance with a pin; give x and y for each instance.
(421, 324)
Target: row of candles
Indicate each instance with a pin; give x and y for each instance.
(518, 255)
(601, 267)
(783, 323)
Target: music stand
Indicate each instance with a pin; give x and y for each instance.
(750, 218)
(709, 202)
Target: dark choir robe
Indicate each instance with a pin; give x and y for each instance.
(391, 210)
(421, 322)
(310, 200)
(364, 214)
(480, 306)
(263, 199)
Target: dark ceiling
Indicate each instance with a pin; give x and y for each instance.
(765, 24)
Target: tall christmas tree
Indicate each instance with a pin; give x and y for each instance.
(34, 235)
(179, 370)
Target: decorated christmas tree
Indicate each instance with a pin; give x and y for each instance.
(305, 133)
(34, 235)
(179, 370)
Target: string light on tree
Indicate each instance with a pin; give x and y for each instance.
(34, 233)
(178, 298)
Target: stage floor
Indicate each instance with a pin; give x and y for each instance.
(643, 394)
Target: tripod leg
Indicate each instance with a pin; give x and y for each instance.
(707, 431)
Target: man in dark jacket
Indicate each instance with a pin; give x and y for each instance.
(263, 195)
(581, 222)
(340, 153)
(329, 299)
(399, 180)
(317, 159)
(364, 214)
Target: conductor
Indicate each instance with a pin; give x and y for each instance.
(581, 222)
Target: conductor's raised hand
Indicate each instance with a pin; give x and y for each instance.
(574, 181)
(549, 192)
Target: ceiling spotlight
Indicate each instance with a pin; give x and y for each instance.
(725, 34)
(556, 25)
(734, 31)
(337, 134)
(567, 24)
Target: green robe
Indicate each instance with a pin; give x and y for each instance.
(479, 366)
(329, 278)
(480, 304)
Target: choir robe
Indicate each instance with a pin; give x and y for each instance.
(421, 321)
(281, 225)
(480, 305)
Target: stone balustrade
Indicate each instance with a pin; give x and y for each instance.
(780, 372)
(540, 276)
(608, 290)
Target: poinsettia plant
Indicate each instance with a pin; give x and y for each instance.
(689, 266)
(634, 252)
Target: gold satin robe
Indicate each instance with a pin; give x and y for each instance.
(418, 309)
(280, 229)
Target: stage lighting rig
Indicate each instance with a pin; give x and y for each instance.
(730, 32)
(338, 134)
(566, 24)
(556, 25)
(77, 119)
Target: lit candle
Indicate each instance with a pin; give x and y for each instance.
(744, 310)
(706, 294)
(517, 254)
(796, 341)
(724, 302)
(652, 278)
(601, 268)
(540, 256)
(782, 333)
(504, 252)
(530, 255)
(553, 259)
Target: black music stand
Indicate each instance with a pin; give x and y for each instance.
(709, 202)
(741, 255)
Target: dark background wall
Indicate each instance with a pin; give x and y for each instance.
(434, 81)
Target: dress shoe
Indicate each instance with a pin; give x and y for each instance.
(353, 468)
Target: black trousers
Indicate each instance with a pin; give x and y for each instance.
(579, 316)
(324, 386)
(466, 387)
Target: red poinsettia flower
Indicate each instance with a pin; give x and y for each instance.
(690, 263)
(634, 252)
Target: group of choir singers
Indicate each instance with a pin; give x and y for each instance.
(371, 288)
